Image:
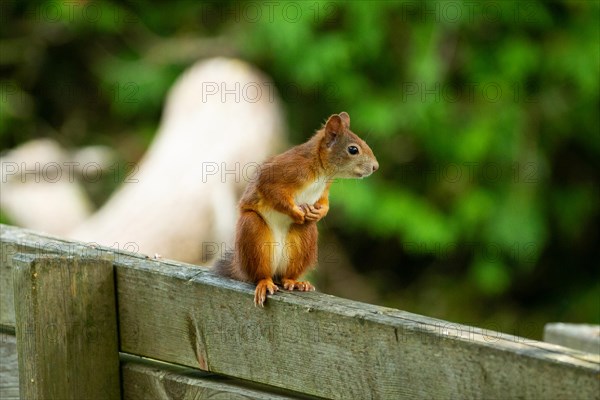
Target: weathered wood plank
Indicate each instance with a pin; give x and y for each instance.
(331, 347)
(582, 337)
(319, 344)
(66, 328)
(9, 375)
(143, 379)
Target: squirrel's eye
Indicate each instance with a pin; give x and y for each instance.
(353, 150)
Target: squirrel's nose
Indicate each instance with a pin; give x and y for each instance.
(375, 166)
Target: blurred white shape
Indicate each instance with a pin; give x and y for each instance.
(38, 189)
(221, 117)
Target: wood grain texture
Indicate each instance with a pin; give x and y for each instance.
(143, 379)
(66, 328)
(319, 344)
(9, 368)
(146, 379)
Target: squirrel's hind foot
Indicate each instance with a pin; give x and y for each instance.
(291, 284)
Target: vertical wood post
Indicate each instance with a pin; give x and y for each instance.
(66, 328)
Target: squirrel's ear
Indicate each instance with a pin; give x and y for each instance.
(345, 118)
(333, 128)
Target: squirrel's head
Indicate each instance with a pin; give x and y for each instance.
(344, 154)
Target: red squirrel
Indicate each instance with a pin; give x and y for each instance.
(276, 233)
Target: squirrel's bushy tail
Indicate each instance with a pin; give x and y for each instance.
(224, 266)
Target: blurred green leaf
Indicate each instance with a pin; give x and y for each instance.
(517, 222)
(491, 276)
(573, 206)
(509, 86)
(398, 212)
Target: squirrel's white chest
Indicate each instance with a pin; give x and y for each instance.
(280, 226)
(312, 192)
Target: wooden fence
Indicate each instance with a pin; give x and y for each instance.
(91, 321)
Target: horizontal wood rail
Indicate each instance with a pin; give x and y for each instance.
(309, 343)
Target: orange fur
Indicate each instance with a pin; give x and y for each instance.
(276, 236)
(253, 237)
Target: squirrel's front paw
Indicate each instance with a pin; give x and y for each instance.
(260, 293)
(315, 212)
(298, 214)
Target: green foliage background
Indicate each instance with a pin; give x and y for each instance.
(483, 115)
